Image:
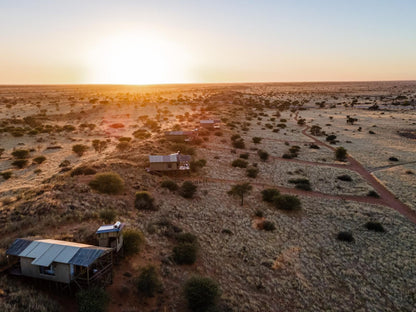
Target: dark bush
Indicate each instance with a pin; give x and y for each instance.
(244, 155)
(345, 237)
(6, 174)
(257, 140)
(287, 156)
(240, 163)
(269, 194)
(268, 226)
(252, 172)
(373, 194)
(144, 201)
(301, 183)
(39, 159)
(20, 163)
(92, 300)
(83, 170)
(344, 177)
(186, 238)
(340, 153)
(239, 144)
(393, 158)
(108, 215)
(132, 241)
(107, 183)
(149, 282)
(187, 189)
(123, 146)
(79, 149)
(20, 154)
(259, 213)
(287, 202)
(170, 185)
(201, 293)
(263, 155)
(314, 146)
(185, 253)
(374, 226)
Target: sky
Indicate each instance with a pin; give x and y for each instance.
(193, 41)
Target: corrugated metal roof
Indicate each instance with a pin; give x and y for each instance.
(184, 158)
(109, 228)
(49, 256)
(46, 251)
(163, 158)
(18, 246)
(86, 256)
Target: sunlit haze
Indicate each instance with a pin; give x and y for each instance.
(150, 42)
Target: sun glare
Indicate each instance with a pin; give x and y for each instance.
(138, 59)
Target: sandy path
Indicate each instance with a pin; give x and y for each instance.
(387, 198)
(391, 166)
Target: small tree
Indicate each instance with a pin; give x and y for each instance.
(108, 215)
(149, 282)
(144, 201)
(263, 155)
(187, 189)
(107, 182)
(240, 190)
(20, 154)
(132, 241)
(79, 149)
(170, 185)
(269, 194)
(340, 153)
(185, 253)
(287, 202)
(201, 293)
(99, 146)
(257, 140)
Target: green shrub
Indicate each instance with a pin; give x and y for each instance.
(239, 190)
(108, 215)
(345, 237)
(79, 149)
(20, 154)
(20, 163)
(39, 159)
(301, 183)
(187, 189)
(344, 177)
(144, 201)
(268, 226)
(132, 241)
(239, 144)
(257, 140)
(170, 185)
(92, 300)
(99, 146)
(141, 134)
(83, 170)
(373, 194)
(185, 253)
(240, 163)
(287, 156)
(340, 153)
(375, 226)
(149, 282)
(252, 172)
(269, 194)
(123, 146)
(107, 183)
(6, 174)
(244, 155)
(263, 155)
(287, 202)
(201, 293)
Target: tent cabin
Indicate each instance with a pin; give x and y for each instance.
(170, 162)
(210, 123)
(62, 261)
(181, 136)
(111, 236)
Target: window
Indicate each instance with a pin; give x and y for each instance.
(170, 166)
(50, 270)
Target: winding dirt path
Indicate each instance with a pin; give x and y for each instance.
(386, 197)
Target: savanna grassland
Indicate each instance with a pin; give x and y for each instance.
(337, 234)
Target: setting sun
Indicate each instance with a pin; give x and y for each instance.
(137, 59)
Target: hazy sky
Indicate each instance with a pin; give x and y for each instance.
(206, 41)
